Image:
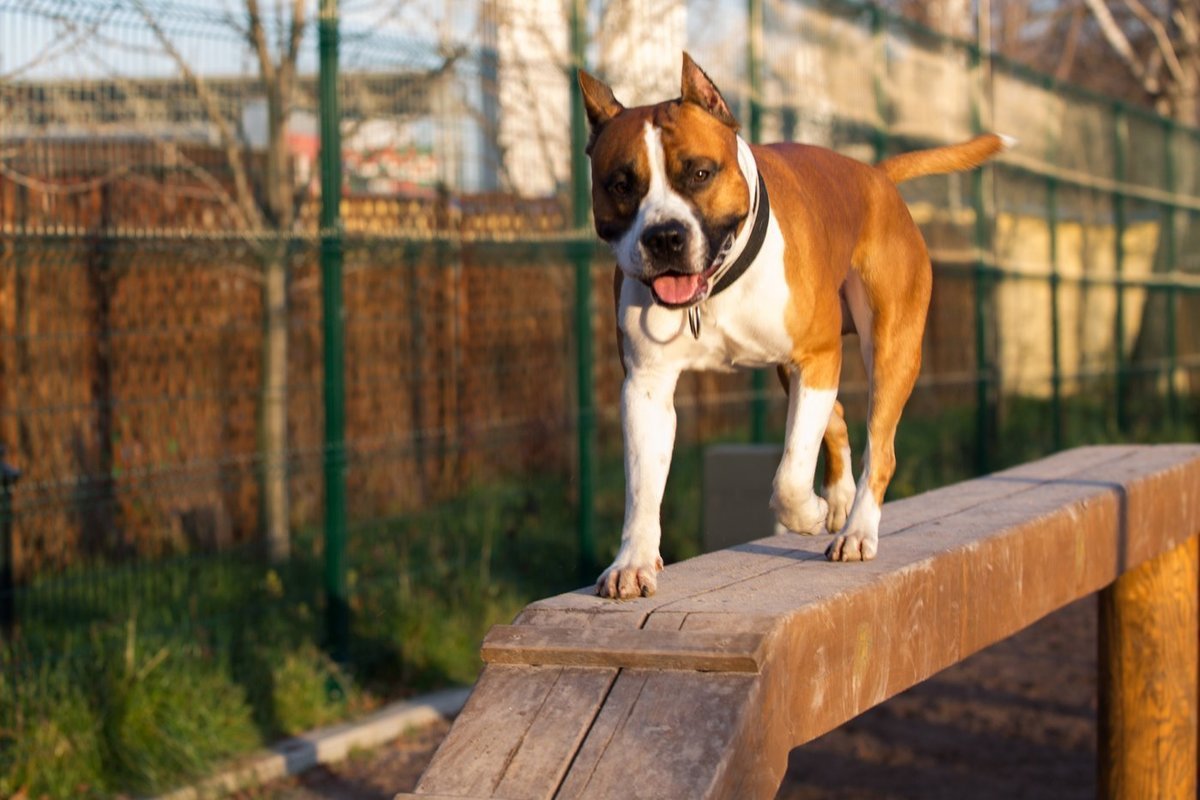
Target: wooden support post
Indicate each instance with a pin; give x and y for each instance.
(1148, 679)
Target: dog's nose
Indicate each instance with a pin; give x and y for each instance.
(664, 240)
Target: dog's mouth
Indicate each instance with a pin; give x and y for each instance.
(675, 289)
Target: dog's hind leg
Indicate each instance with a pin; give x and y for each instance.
(892, 355)
(838, 488)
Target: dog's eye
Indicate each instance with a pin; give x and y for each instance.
(618, 186)
(701, 172)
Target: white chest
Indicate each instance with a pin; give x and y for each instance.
(743, 326)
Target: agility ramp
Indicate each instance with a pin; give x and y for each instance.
(702, 690)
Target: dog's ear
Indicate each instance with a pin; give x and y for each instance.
(599, 101)
(698, 88)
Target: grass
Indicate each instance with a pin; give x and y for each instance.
(135, 679)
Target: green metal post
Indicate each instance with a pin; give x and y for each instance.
(1120, 142)
(754, 50)
(337, 604)
(983, 366)
(1171, 212)
(1055, 323)
(581, 257)
(879, 138)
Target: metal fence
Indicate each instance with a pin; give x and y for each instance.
(253, 419)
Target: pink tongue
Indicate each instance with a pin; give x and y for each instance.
(677, 289)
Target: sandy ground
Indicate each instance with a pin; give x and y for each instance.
(1014, 721)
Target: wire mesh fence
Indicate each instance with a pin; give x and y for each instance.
(163, 352)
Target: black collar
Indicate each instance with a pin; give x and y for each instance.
(758, 234)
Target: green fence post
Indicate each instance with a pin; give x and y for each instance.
(754, 50)
(581, 258)
(879, 135)
(9, 476)
(1055, 322)
(1170, 244)
(983, 366)
(1120, 142)
(337, 605)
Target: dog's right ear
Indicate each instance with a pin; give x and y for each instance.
(599, 101)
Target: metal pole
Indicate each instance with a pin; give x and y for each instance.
(1056, 376)
(1120, 141)
(1055, 323)
(337, 604)
(8, 592)
(1171, 212)
(581, 258)
(879, 135)
(983, 410)
(754, 50)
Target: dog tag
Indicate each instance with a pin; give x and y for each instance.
(694, 320)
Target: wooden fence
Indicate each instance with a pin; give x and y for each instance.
(702, 690)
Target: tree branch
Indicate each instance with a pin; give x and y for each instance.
(1161, 38)
(245, 197)
(1067, 60)
(258, 40)
(1120, 44)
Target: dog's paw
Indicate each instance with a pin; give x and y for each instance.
(627, 578)
(852, 547)
(807, 517)
(840, 497)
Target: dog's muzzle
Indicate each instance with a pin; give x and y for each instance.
(679, 288)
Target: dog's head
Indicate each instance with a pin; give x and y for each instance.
(667, 191)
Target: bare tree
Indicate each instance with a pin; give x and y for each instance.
(267, 205)
(1160, 46)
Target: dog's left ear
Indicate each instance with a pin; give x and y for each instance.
(599, 102)
(698, 88)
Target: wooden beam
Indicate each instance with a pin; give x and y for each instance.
(614, 700)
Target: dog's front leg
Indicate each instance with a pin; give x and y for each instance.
(648, 420)
(797, 507)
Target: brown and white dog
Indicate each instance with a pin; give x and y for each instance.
(731, 255)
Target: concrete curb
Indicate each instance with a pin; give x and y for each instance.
(326, 745)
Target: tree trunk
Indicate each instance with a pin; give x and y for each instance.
(275, 438)
(275, 401)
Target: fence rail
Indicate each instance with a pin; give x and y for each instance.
(175, 355)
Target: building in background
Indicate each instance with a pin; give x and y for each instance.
(640, 48)
(532, 122)
(639, 45)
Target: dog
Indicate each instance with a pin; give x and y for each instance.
(731, 255)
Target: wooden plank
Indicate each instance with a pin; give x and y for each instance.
(679, 727)
(625, 692)
(626, 648)
(1148, 671)
(538, 766)
(610, 617)
(472, 760)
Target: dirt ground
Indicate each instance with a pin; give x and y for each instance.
(1014, 721)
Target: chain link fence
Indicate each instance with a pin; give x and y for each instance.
(164, 380)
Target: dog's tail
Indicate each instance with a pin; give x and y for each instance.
(940, 160)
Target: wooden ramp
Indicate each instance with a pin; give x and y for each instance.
(701, 690)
